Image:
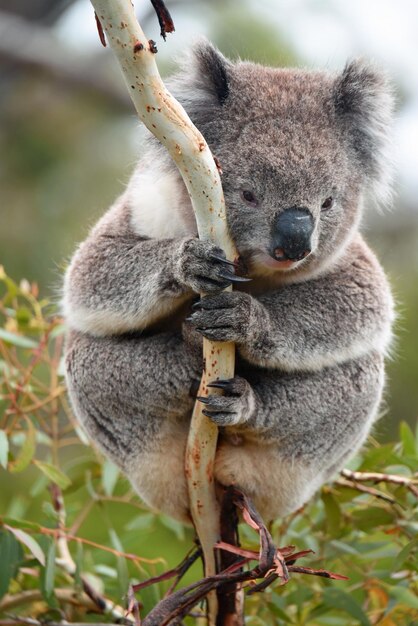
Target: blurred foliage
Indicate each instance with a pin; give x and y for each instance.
(251, 38)
(58, 494)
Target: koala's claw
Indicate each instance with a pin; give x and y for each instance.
(226, 384)
(235, 406)
(218, 257)
(203, 399)
(224, 317)
(234, 279)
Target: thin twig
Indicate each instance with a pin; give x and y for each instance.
(351, 484)
(164, 18)
(376, 477)
(67, 563)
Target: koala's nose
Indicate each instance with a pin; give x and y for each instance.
(292, 232)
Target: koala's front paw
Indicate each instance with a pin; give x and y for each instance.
(224, 317)
(204, 267)
(235, 406)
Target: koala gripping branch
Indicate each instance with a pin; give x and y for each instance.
(167, 120)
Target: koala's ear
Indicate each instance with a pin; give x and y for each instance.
(363, 102)
(212, 70)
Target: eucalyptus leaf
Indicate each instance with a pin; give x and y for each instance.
(4, 449)
(343, 601)
(11, 554)
(176, 527)
(48, 577)
(27, 450)
(31, 543)
(54, 474)
(19, 341)
(408, 439)
(110, 475)
(404, 595)
(332, 512)
(404, 554)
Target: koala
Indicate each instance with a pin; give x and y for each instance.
(301, 151)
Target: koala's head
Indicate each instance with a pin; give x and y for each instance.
(298, 150)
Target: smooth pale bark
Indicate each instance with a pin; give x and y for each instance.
(167, 120)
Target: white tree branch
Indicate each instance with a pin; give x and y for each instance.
(167, 120)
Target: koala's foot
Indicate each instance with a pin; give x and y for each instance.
(235, 406)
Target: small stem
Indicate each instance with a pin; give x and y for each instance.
(370, 490)
(376, 477)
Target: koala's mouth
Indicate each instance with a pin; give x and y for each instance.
(260, 260)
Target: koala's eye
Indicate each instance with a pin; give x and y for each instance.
(327, 204)
(248, 196)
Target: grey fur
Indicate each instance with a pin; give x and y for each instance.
(310, 337)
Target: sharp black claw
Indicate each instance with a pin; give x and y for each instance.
(203, 399)
(234, 279)
(189, 319)
(220, 384)
(197, 305)
(218, 257)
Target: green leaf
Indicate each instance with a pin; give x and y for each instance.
(27, 450)
(4, 449)
(342, 601)
(403, 595)
(20, 523)
(408, 439)
(23, 315)
(377, 457)
(48, 577)
(105, 570)
(332, 512)
(54, 474)
(11, 554)
(79, 565)
(31, 543)
(373, 517)
(50, 511)
(253, 620)
(416, 437)
(404, 554)
(123, 575)
(12, 288)
(342, 546)
(176, 527)
(141, 522)
(110, 475)
(276, 610)
(17, 340)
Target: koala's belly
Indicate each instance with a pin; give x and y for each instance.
(133, 396)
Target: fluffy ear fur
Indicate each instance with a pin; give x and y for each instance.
(202, 85)
(363, 101)
(212, 70)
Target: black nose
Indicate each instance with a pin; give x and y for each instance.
(292, 232)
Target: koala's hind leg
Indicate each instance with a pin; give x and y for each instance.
(132, 394)
(305, 426)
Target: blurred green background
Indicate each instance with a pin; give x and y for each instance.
(69, 138)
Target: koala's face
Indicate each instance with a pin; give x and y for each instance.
(297, 150)
(292, 197)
